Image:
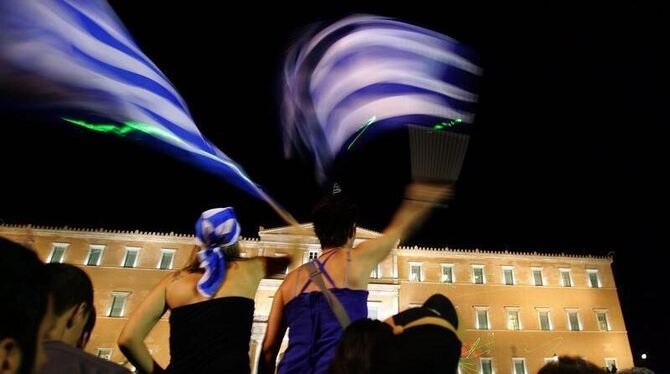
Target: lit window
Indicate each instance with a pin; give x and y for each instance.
(519, 365)
(478, 276)
(130, 260)
(94, 255)
(415, 272)
(508, 275)
(447, 273)
(486, 365)
(610, 363)
(513, 322)
(105, 353)
(603, 323)
(566, 278)
(594, 279)
(58, 252)
(545, 319)
(167, 256)
(118, 304)
(538, 278)
(573, 320)
(482, 318)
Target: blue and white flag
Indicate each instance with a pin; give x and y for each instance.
(372, 71)
(75, 56)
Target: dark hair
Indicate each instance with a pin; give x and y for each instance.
(69, 286)
(358, 348)
(334, 218)
(571, 365)
(230, 253)
(90, 322)
(636, 370)
(88, 329)
(443, 306)
(24, 289)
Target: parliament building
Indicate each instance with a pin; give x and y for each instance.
(517, 310)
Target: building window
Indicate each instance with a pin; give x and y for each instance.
(573, 320)
(513, 321)
(482, 318)
(105, 353)
(566, 278)
(508, 275)
(118, 304)
(415, 272)
(130, 261)
(538, 277)
(58, 252)
(545, 320)
(94, 255)
(447, 273)
(610, 363)
(373, 309)
(167, 256)
(601, 318)
(376, 272)
(594, 279)
(486, 365)
(519, 365)
(478, 276)
(313, 254)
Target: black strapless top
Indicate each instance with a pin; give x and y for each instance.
(211, 336)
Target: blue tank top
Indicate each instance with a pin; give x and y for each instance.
(314, 331)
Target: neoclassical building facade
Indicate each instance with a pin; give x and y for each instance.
(516, 310)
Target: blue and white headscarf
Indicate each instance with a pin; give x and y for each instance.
(216, 228)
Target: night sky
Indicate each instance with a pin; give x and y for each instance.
(567, 153)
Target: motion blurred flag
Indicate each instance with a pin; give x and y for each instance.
(367, 71)
(76, 57)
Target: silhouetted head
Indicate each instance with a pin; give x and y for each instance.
(335, 219)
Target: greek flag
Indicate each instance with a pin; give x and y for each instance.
(366, 71)
(76, 57)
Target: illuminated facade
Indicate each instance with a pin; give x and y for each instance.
(516, 310)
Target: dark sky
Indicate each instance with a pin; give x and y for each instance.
(566, 155)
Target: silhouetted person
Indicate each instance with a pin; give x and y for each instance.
(636, 370)
(25, 310)
(361, 344)
(571, 365)
(211, 303)
(73, 315)
(425, 340)
(299, 304)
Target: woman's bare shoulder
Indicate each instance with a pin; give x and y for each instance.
(293, 279)
(180, 288)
